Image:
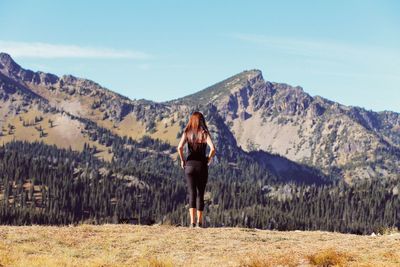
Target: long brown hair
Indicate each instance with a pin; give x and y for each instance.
(196, 130)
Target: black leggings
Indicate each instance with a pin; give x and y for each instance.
(196, 173)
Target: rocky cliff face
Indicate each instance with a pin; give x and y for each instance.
(275, 123)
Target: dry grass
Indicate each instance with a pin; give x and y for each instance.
(330, 257)
(67, 132)
(64, 134)
(130, 126)
(264, 260)
(167, 245)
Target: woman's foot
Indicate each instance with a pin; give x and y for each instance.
(199, 225)
(192, 225)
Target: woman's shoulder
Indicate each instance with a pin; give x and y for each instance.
(205, 134)
(204, 130)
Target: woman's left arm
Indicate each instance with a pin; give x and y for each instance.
(182, 142)
(212, 149)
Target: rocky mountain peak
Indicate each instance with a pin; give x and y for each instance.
(7, 63)
(14, 71)
(252, 76)
(221, 90)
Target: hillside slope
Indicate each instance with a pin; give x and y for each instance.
(349, 142)
(163, 245)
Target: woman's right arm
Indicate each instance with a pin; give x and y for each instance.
(180, 149)
(212, 148)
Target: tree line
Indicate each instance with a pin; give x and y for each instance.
(43, 184)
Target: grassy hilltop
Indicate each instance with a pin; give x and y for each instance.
(164, 245)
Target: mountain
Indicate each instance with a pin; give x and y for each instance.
(281, 127)
(50, 102)
(72, 151)
(349, 142)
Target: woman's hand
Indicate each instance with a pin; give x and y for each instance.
(183, 163)
(209, 159)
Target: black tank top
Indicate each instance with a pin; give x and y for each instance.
(197, 152)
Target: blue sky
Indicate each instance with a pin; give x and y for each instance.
(347, 51)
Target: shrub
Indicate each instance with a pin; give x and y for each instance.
(330, 257)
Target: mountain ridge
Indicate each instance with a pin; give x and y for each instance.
(255, 115)
(8, 60)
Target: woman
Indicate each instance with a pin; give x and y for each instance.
(197, 136)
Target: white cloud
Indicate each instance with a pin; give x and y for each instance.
(46, 50)
(320, 48)
(370, 59)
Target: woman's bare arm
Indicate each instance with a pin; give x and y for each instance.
(212, 147)
(182, 142)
